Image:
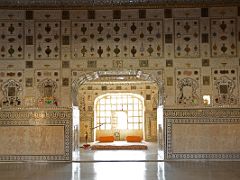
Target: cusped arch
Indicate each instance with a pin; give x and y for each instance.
(76, 84)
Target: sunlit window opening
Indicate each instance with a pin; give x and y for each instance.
(119, 111)
(206, 99)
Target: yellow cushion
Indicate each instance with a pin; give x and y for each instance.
(133, 139)
(106, 138)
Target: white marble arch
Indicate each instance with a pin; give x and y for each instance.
(141, 75)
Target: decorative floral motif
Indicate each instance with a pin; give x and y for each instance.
(12, 40)
(47, 89)
(121, 39)
(187, 38)
(225, 87)
(223, 39)
(47, 40)
(187, 92)
(11, 91)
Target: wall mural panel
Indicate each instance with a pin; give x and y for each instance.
(11, 88)
(47, 36)
(225, 89)
(110, 39)
(48, 88)
(188, 87)
(223, 37)
(187, 38)
(12, 40)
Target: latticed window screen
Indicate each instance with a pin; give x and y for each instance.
(119, 111)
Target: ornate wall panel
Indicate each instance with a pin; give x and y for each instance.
(47, 82)
(24, 130)
(120, 39)
(225, 89)
(47, 36)
(187, 38)
(8, 14)
(223, 37)
(12, 40)
(188, 87)
(202, 133)
(11, 88)
(17, 75)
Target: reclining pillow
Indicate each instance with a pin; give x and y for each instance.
(106, 138)
(133, 139)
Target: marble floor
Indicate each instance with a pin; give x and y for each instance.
(153, 153)
(121, 165)
(178, 170)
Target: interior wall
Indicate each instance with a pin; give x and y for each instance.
(194, 51)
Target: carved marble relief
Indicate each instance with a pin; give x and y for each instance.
(47, 37)
(129, 39)
(223, 38)
(12, 40)
(11, 86)
(225, 87)
(47, 90)
(187, 38)
(47, 84)
(11, 91)
(187, 90)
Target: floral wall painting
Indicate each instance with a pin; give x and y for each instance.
(11, 91)
(187, 92)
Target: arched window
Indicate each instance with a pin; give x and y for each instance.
(119, 111)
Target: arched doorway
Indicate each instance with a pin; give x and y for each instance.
(108, 79)
(119, 114)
